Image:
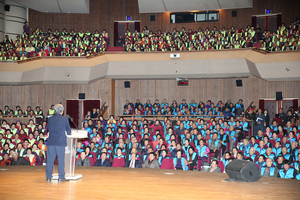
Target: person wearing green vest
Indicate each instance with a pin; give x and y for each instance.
(38, 111)
(51, 111)
(17, 110)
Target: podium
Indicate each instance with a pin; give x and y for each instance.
(70, 154)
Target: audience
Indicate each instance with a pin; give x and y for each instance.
(286, 38)
(53, 43)
(190, 142)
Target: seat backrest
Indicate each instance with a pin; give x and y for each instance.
(167, 163)
(221, 165)
(118, 162)
(92, 161)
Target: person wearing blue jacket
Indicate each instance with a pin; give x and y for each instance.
(269, 170)
(287, 172)
(58, 125)
(180, 163)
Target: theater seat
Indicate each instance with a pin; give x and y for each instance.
(221, 165)
(167, 163)
(118, 162)
(92, 160)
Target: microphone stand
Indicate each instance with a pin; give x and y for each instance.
(72, 120)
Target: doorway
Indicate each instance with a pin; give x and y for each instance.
(120, 28)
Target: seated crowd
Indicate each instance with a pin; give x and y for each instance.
(18, 112)
(286, 38)
(53, 43)
(180, 144)
(220, 110)
(187, 144)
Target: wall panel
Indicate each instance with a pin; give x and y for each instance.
(202, 90)
(199, 89)
(46, 95)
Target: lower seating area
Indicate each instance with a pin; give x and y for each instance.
(170, 142)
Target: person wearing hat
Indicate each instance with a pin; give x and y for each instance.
(287, 172)
(250, 114)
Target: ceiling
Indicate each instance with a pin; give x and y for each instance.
(154, 6)
(57, 6)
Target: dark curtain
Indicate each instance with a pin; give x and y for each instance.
(295, 104)
(116, 34)
(137, 26)
(278, 20)
(262, 104)
(73, 111)
(253, 21)
(88, 105)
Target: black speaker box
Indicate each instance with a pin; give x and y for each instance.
(234, 13)
(239, 83)
(278, 96)
(242, 170)
(81, 95)
(7, 8)
(127, 84)
(152, 18)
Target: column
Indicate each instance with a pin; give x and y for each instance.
(14, 19)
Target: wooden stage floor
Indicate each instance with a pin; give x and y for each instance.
(26, 182)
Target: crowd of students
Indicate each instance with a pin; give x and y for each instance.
(286, 38)
(53, 43)
(179, 143)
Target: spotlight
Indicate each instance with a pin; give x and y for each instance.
(67, 74)
(287, 69)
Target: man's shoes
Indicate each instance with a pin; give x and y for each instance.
(48, 180)
(63, 180)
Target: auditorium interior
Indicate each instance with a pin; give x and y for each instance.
(183, 99)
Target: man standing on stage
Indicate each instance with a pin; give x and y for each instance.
(58, 125)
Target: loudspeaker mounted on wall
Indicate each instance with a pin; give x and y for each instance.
(242, 170)
(234, 13)
(7, 7)
(127, 84)
(81, 95)
(152, 18)
(278, 96)
(239, 83)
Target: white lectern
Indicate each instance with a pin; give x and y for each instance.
(70, 154)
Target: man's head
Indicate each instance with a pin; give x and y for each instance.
(286, 165)
(103, 155)
(133, 156)
(261, 158)
(5, 157)
(151, 156)
(82, 155)
(269, 162)
(245, 142)
(59, 109)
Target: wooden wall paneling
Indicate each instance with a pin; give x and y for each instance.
(199, 89)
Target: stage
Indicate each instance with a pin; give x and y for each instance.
(27, 182)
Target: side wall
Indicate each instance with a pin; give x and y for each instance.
(104, 12)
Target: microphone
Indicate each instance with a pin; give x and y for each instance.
(72, 120)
